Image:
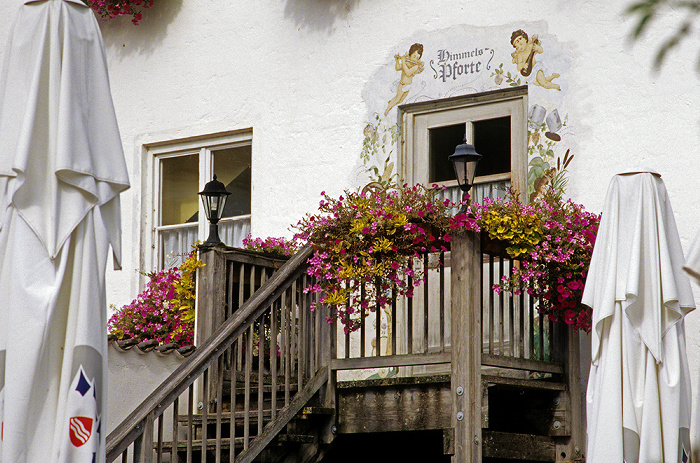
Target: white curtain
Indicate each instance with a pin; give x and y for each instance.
(177, 241)
(478, 192)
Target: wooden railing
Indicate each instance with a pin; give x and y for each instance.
(415, 331)
(270, 343)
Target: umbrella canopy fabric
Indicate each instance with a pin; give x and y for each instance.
(638, 397)
(692, 263)
(62, 169)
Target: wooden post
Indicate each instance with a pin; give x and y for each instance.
(211, 293)
(572, 368)
(566, 350)
(210, 310)
(466, 346)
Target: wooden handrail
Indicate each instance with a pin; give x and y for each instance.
(153, 406)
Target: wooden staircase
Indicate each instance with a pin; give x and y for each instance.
(506, 388)
(300, 439)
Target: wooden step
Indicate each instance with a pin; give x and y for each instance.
(239, 415)
(225, 442)
(539, 384)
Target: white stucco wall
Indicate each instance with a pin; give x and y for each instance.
(295, 70)
(132, 376)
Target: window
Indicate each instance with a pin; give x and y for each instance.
(494, 122)
(180, 171)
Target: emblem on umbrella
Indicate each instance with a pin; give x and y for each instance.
(80, 430)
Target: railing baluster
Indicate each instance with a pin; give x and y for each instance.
(441, 272)
(176, 415)
(230, 288)
(205, 413)
(303, 344)
(393, 320)
(492, 307)
(287, 347)
(248, 365)
(521, 318)
(273, 359)
(159, 445)
(363, 339)
(143, 445)
(236, 346)
(347, 333)
(261, 368)
(426, 302)
(378, 317)
(190, 426)
(241, 284)
(540, 319)
(409, 314)
(219, 405)
(531, 327)
(298, 346)
(511, 315)
(501, 309)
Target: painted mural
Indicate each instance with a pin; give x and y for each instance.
(467, 60)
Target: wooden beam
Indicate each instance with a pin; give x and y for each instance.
(400, 407)
(390, 361)
(522, 364)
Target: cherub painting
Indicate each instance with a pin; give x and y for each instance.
(524, 58)
(409, 65)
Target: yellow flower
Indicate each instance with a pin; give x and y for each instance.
(383, 245)
(357, 226)
(336, 297)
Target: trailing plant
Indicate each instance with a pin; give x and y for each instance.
(554, 240)
(507, 220)
(271, 245)
(164, 310)
(365, 244)
(112, 8)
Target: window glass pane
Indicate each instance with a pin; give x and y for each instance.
(443, 141)
(492, 141)
(179, 201)
(232, 168)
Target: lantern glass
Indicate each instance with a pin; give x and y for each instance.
(465, 160)
(214, 197)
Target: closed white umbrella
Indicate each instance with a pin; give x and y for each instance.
(61, 171)
(638, 397)
(692, 263)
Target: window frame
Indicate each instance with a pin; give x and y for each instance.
(416, 119)
(203, 147)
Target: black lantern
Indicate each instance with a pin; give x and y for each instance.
(214, 197)
(464, 160)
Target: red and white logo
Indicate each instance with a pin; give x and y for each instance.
(80, 430)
